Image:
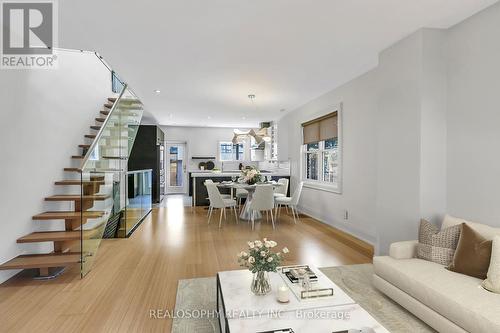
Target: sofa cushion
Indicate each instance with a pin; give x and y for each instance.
(459, 298)
(484, 230)
(473, 254)
(493, 282)
(437, 246)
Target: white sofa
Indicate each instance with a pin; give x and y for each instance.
(448, 302)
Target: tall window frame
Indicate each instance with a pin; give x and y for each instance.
(321, 153)
(230, 152)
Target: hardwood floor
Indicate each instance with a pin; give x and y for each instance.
(131, 276)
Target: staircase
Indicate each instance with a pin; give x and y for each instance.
(94, 191)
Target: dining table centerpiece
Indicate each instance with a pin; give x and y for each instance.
(260, 259)
(250, 175)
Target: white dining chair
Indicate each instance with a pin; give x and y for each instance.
(262, 201)
(218, 202)
(240, 195)
(282, 190)
(291, 202)
(225, 196)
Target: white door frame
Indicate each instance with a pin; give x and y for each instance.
(185, 181)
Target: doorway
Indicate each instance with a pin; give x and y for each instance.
(176, 168)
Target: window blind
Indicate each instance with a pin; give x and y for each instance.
(319, 129)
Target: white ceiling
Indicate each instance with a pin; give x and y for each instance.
(206, 56)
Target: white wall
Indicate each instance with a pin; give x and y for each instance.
(473, 178)
(398, 141)
(420, 135)
(201, 141)
(359, 164)
(45, 114)
(433, 125)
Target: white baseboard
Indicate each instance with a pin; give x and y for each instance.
(342, 227)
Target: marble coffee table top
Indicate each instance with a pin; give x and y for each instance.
(246, 312)
(235, 287)
(322, 320)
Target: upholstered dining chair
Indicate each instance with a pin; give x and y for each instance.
(262, 201)
(225, 196)
(282, 190)
(218, 202)
(291, 202)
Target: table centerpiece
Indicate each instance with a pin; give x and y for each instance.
(260, 260)
(250, 175)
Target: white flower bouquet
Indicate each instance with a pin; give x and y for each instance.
(250, 175)
(261, 259)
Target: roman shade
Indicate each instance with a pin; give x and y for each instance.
(319, 129)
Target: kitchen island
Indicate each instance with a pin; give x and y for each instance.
(198, 191)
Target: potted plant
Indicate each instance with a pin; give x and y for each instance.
(261, 259)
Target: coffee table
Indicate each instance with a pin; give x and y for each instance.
(241, 311)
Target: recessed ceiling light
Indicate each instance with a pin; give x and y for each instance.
(157, 91)
(209, 117)
(243, 118)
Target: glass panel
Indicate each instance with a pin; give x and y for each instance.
(331, 143)
(330, 161)
(176, 155)
(226, 151)
(103, 196)
(139, 198)
(239, 152)
(312, 146)
(312, 166)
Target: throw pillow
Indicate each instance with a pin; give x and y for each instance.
(493, 282)
(435, 245)
(473, 254)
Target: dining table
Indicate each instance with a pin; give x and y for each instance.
(246, 211)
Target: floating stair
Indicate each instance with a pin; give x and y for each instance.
(50, 236)
(76, 197)
(79, 182)
(67, 243)
(42, 260)
(68, 215)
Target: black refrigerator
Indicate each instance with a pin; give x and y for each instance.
(148, 152)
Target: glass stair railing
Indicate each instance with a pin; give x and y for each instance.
(104, 173)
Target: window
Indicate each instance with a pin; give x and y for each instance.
(231, 152)
(320, 153)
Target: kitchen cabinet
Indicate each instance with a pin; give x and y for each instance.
(148, 153)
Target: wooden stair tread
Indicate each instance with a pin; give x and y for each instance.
(26, 261)
(100, 119)
(50, 236)
(114, 158)
(123, 113)
(108, 105)
(90, 136)
(112, 99)
(77, 156)
(79, 182)
(63, 215)
(84, 146)
(95, 127)
(75, 197)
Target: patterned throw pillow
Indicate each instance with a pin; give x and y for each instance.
(435, 245)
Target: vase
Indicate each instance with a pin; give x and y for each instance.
(260, 283)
